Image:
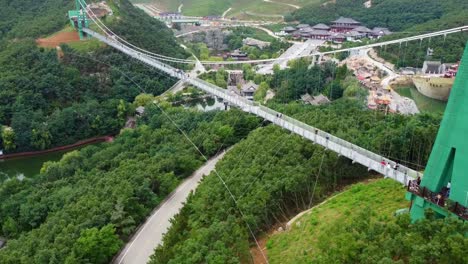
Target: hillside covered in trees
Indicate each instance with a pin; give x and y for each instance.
(50, 98)
(397, 15)
(404, 18)
(274, 174)
(82, 208)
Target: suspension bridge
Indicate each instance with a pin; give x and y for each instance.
(344, 148)
(387, 167)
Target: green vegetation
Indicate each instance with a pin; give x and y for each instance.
(30, 19)
(80, 209)
(397, 15)
(213, 7)
(406, 18)
(271, 173)
(358, 226)
(234, 40)
(298, 79)
(51, 98)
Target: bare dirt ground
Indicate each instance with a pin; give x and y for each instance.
(57, 39)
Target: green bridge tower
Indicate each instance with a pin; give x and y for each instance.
(78, 19)
(448, 163)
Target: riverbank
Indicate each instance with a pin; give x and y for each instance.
(62, 148)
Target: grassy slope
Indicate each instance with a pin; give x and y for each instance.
(217, 7)
(298, 244)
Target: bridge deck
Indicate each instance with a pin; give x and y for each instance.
(357, 154)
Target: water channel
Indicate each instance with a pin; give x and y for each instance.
(27, 167)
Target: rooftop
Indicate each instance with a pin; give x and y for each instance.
(321, 26)
(346, 20)
(249, 87)
(381, 31)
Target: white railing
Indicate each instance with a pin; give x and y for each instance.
(344, 148)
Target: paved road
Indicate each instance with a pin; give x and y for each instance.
(149, 235)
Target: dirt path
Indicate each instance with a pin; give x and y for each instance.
(180, 8)
(226, 12)
(279, 3)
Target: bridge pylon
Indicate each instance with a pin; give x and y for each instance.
(79, 19)
(444, 186)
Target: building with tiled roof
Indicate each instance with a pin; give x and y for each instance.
(344, 24)
(321, 27)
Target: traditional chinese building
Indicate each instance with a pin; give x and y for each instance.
(344, 24)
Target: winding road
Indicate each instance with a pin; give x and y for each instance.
(150, 234)
(225, 12)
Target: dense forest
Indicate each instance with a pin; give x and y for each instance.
(30, 18)
(80, 209)
(273, 174)
(397, 15)
(51, 98)
(405, 18)
(394, 241)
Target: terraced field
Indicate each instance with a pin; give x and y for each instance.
(239, 8)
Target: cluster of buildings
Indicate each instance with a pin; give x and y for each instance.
(449, 70)
(100, 9)
(367, 74)
(340, 30)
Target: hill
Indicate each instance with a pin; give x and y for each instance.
(397, 15)
(51, 99)
(404, 18)
(239, 8)
(82, 208)
(359, 226)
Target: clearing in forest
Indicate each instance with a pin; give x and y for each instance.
(67, 35)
